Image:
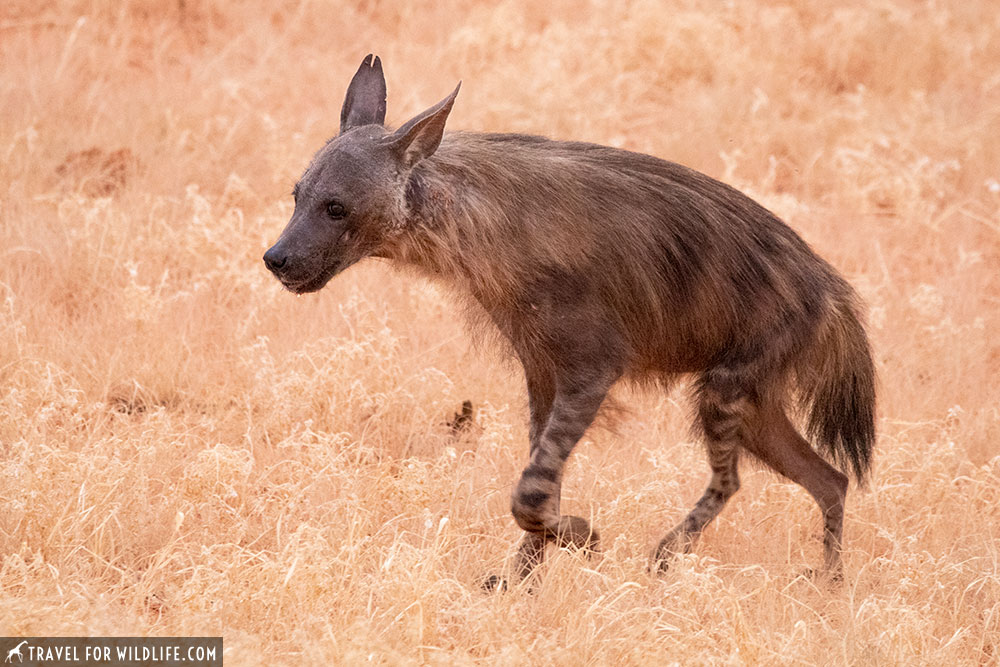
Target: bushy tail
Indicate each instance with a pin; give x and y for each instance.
(839, 390)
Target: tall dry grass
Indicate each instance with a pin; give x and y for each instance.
(186, 449)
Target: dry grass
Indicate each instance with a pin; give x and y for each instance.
(186, 449)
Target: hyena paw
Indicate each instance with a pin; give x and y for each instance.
(535, 507)
(494, 583)
(825, 575)
(576, 532)
(676, 542)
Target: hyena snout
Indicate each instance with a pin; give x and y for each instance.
(275, 259)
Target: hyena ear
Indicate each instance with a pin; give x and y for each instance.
(420, 136)
(364, 103)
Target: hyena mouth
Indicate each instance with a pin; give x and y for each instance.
(317, 281)
(308, 285)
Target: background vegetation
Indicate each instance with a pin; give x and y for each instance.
(188, 450)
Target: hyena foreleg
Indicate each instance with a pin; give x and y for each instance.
(541, 393)
(576, 398)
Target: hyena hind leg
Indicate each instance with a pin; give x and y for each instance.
(723, 416)
(781, 447)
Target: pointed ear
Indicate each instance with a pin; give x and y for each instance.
(420, 136)
(364, 103)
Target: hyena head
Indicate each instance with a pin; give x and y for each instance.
(351, 201)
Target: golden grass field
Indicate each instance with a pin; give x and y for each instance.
(187, 450)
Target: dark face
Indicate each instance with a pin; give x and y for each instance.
(346, 206)
(351, 201)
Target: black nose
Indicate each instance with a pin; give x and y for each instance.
(274, 259)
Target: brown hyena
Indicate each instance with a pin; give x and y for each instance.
(599, 264)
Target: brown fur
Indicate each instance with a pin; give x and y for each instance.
(596, 265)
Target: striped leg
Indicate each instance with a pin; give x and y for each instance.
(535, 500)
(724, 415)
(541, 392)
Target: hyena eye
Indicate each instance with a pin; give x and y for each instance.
(336, 210)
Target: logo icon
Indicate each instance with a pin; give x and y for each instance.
(16, 651)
